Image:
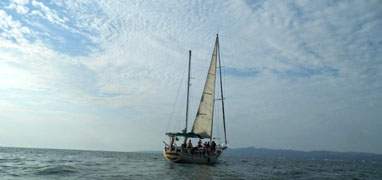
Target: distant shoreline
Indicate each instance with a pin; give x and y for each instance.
(306, 155)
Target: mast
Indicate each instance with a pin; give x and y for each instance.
(221, 88)
(188, 88)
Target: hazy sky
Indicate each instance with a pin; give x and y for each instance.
(110, 75)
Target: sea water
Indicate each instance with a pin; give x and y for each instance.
(25, 163)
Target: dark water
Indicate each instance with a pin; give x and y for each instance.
(20, 163)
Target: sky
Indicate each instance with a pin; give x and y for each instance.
(111, 75)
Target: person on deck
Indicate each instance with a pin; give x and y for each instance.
(208, 147)
(189, 144)
(200, 143)
(184, 146)
(213, 146)
(205, 145)
(172, 144)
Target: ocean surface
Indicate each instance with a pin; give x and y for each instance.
(25, 163)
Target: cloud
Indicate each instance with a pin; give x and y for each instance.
(20, 6)
(240, 72)
(299, 74)
(12, 29)
(48, 13)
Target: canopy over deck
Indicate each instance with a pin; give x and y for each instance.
(187, 135)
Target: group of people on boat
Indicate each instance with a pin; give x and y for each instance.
(200, 148)
(207, 147)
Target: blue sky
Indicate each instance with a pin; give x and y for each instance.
(110, 75)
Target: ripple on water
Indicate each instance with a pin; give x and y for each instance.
(36, 164)
(56, 170)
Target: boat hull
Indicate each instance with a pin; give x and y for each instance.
(185, 157)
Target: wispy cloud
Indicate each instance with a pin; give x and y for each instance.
(302, 70)
(19, 6)
(242, 72)
(12, 29)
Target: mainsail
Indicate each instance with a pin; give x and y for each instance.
(204, 117)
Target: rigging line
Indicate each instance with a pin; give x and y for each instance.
(221, 89)
(176, 100)
(217, 123)
(213, 103)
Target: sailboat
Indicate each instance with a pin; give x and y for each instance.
(202, 128)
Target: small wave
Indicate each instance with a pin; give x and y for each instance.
(13, 160)
(295, 172)
(244, 161)
(57, 170)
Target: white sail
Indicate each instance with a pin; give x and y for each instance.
(204, 117)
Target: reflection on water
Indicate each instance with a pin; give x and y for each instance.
(186, 171)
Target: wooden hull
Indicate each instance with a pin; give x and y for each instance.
(185, 157)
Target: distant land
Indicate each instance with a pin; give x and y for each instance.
(301, 155)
